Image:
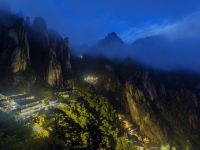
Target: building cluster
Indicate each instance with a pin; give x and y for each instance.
(7, 104)
(26, 110)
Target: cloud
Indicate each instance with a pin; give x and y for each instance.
(188, 27)
(86, 24)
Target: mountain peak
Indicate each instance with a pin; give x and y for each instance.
(111, 38)
(114, 34)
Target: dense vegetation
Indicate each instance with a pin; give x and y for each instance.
(14, 135)
(82, 120)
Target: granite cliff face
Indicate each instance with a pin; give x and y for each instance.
(166, 110)
(20, 59)
(144, 115)
(26, 46)
(43, 54)
(15, 47)
(165, 106)
(53, 71)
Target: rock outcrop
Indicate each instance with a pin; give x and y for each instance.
(33, 47)
(20, 59)
(53, 74)
(15, 49)
(144, 115)
(50, 54)
(61, 47)
(165, 114)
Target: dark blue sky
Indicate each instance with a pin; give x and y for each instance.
(85, 21)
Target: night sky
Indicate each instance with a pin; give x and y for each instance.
(87, 21)
(95, 18)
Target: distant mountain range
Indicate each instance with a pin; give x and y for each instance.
(157, 51)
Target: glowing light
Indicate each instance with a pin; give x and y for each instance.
(37, 128)
(80, 56)
(64, 95)
(40, 131)
(20, 94)
(30, 98)
(91, 79)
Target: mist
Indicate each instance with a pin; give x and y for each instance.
(157, 51)
(171, 46)
(168, 46)
(151, 35)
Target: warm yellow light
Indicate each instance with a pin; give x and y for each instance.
(30, 98)
(40, 130)
(91, 79)
(20, 94)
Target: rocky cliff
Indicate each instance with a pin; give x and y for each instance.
(166, 110)
(165, 106)
(15, 47)
(26, 46)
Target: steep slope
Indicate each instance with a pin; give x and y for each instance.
(111, 39)
(110, 46)
(165, 106)
(43, 55)
(33, 47)
(15, 49)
